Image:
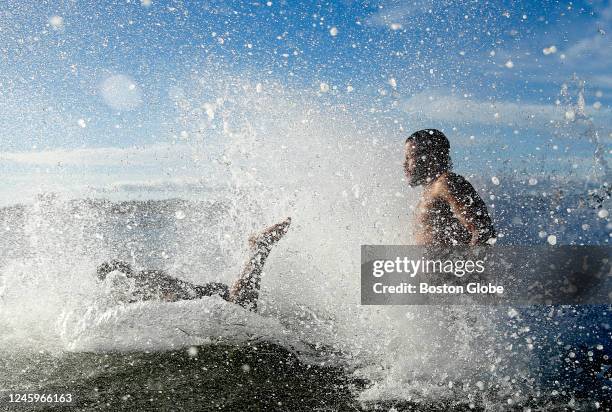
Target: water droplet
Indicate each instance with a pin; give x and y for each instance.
(120, 92)
(57, 22)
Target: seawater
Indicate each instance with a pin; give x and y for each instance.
(57, 318)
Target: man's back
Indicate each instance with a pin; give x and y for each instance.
(451, 212)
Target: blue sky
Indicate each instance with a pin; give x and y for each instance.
(90, 74)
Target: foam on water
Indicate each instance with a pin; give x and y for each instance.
(163, 326)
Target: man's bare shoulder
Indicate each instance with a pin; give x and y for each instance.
(439, 185)
(449, 182)
(458, 185)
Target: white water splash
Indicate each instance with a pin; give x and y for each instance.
(281, 155)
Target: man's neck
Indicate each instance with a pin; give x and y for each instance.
(434, 179)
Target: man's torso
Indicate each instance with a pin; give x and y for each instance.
(436, 222)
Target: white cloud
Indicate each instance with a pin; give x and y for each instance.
(594, 51)
(187, 184)
(442, 107)
(102, 156)
(604, 81)
(604, 15)
(393, 15)
(597, 47)
(109, 172)
(449, 108)
(397, 14)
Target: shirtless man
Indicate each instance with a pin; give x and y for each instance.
(450, 211)
(157, 285)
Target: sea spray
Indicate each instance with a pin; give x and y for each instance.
(258, 154)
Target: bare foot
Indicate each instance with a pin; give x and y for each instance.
(272, 234)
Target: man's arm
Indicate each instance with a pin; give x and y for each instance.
(468, 207)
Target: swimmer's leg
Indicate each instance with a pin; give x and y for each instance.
(210, 289)
(245, 290)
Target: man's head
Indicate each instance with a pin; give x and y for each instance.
(107, 267)
(427, 156)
